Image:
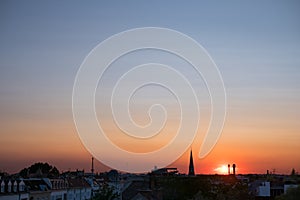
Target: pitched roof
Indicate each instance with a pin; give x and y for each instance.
(78, 183)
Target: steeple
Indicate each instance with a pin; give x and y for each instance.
(191, 165)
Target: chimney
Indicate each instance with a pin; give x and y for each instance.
(233, 167)
(228, 169)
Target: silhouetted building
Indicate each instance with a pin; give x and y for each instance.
(139, 189)
(168, 171)
(13, 189)
(191, 165)
(78, 189)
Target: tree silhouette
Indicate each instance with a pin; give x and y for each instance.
(105, 193)
(291, 194)
(40, 170)
(293, 173)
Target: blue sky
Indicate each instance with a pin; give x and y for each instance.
(53, 37)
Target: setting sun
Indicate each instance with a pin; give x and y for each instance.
(223, 169)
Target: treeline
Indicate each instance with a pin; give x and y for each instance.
(42, 170)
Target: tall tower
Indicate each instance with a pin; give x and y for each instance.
(233, 166)
(191, 165)
(92, 166)
(228, 169)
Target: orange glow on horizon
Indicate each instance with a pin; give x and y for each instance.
(60, 146)
(223, 169)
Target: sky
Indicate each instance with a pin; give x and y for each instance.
(255, 45)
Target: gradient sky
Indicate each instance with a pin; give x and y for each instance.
(255, 44)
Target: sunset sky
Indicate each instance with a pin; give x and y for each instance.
(255, 45)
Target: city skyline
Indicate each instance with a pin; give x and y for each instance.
(254, 44)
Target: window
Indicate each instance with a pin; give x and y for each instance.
(21, 186)
(2, 187)
(15, 188)
(9, 186)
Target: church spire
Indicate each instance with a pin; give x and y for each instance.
(191, 165)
